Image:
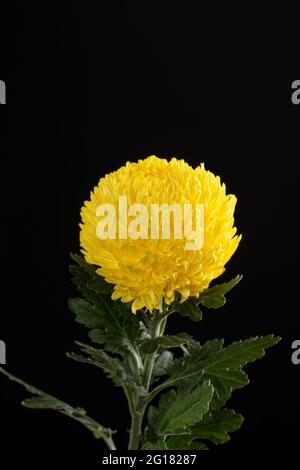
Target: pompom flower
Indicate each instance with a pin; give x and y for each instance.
(145, 270)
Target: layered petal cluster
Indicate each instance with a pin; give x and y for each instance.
(145, 270)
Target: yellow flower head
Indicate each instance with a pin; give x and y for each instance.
(146, 269)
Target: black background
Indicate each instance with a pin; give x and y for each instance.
(88, 91)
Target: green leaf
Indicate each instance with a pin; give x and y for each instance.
(156, 445)
(150, 345)
(223, 366)
(84, 271)
(216, 426)
(186, 410)
(81, 279)
(42, 400)
(86, 314)
(189, 308)
(163, 363)
(120, 327)
(154, 415)
(183, 371)
(80, 261)
(99, 336)
(99, 285)
(113, 366)
(150, 436)
(214, 297)
(113, 322)
(211, 365)
(184, 442)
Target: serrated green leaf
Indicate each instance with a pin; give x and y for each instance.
(88, 282)
(120, 327)
(184, 442)
(165, 400)
(216, 426)
(223, 366)
(99, 336)
(189, 308)
(186, 410)
(156, 445)
(113, 366)
(86, 271)
(150, 345)
(89, 268)
(112, 321)
(86, 314)
(154, 415)
(184, 370)
(214, 297)
(153, 412)
(81, 279)
(99, 285)
(44, 401)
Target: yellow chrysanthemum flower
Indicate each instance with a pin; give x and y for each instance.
(146, 270)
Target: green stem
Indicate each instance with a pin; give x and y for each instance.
(156, 329)
(129, 400)
(136, 424)
(110, 443)
(157, 390)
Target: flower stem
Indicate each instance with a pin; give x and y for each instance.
(136, 424)
(156, 329)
